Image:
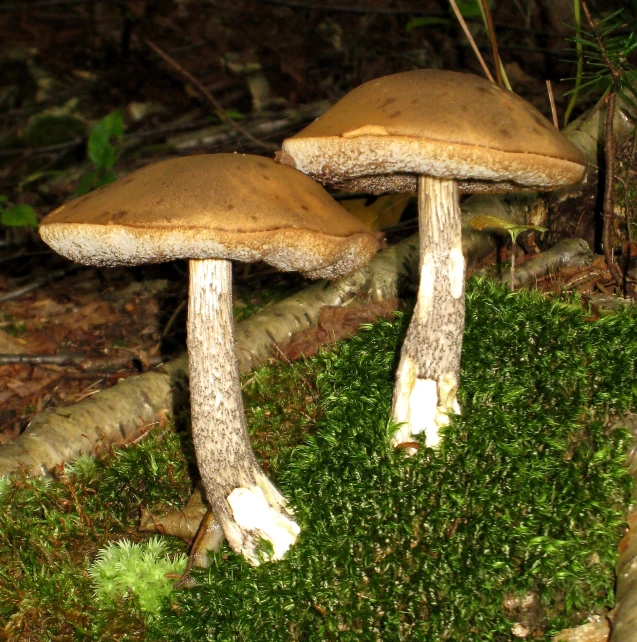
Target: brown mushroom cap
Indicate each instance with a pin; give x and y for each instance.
(224, 206)
(384, 133)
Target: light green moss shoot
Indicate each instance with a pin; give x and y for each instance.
(140, 571)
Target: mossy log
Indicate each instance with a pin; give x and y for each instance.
(624, 626)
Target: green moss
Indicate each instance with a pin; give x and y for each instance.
(527, 493)
(141, 572)
(50, 530)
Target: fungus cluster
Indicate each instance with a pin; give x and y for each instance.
(435, 132)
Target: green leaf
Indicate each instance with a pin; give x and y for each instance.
(469, 8)
(100, 150)
(86, 184)
(514, 229)
(105, 179)
(233, 114)
(425, 21)
(19, 216)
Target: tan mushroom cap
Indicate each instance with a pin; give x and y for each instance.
(384, 133)
(223, 206)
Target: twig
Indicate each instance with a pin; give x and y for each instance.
(133, 138)
(28, 6)
(472, 42)
(488, 18)
(84, 361)
(47, 149)
(38, 283)
(391, 11)
(173, 318)
(21, 255)
(218, 135)
(549, 88)
(267, 124)
(614, 72)
(355, 8)
(609, 209)
(627, 210)
(609, 156)
(207, 95)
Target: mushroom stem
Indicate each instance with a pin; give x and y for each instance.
(428, 372)
(248, 506)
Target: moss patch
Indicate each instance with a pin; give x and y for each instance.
(526, 495)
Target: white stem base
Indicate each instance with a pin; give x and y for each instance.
(427, 376)
(225, 458)
(422, 405)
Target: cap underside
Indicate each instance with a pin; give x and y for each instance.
(315, 255)
(391, 164)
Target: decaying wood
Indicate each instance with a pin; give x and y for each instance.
(334, 324)
(84, 362)
(565, 253)
(264, 125)
(113, 416)
(124, 412)
(120, 414)
(208, 96)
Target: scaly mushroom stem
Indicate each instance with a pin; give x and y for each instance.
(428, 372)
(245, 502)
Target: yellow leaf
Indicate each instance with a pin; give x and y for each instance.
(381, 213)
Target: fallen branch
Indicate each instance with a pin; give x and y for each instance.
(85, 362)
(39, 282)
(208, 96)
(211, 136)
(565, 253)
(120, 414)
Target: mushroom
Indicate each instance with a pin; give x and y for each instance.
(437, 133)
(212, 209)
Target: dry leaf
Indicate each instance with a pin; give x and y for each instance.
(380, 213)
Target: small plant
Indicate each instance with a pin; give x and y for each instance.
(604, 50)
(103, 150)
(17, 215)
(514, 230)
